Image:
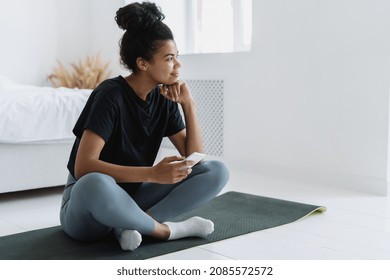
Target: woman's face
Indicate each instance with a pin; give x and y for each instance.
(164, 67)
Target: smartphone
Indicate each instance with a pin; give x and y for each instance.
(195, 157)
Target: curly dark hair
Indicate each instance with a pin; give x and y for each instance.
(145, 32)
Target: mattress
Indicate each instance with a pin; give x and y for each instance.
(30, 114)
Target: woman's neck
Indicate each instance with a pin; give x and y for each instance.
(140, 85)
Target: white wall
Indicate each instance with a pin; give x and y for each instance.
(74, 23)
(35, 34)
(28, 39)
(106, 33)
(311, 100)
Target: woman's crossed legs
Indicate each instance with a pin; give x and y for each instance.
(94, 205)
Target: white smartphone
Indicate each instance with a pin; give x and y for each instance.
(195, 157)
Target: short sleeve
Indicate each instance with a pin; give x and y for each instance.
(99, 115)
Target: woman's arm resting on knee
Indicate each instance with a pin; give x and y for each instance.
(87, 161)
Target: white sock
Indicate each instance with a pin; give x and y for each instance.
(128, 239)
(194, 227)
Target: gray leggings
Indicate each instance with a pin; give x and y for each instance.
(95, 204)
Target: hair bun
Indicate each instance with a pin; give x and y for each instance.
(138, 16)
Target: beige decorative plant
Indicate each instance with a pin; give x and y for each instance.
(87, 74)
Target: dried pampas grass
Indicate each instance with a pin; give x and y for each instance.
(87, 74)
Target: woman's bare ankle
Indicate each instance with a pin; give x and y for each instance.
(161, 231)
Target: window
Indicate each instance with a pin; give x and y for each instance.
(209, 26)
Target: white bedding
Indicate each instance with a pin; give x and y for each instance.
(30, 114)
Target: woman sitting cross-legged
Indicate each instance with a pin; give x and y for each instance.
(113, 183)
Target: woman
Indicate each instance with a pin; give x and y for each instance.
(113, 184)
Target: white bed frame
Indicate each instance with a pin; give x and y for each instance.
(32, 166)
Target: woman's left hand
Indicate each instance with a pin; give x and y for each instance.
(177, 92)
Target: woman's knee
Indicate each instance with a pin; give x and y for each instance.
(96, 178)
(92, 184)
(218, 172)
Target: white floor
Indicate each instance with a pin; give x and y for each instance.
(355, 226)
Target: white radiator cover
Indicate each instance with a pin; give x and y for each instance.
(208, 95)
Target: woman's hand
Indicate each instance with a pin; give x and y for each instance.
(171, 170)
(177, 92)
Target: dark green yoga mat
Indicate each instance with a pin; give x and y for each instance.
(233, 214)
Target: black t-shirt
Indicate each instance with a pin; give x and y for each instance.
(131, 127)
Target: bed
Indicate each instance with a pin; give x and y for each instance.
(36, 134)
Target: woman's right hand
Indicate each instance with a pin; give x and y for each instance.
(171, 170)
(177, 92)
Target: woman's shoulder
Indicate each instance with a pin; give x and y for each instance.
(109, 88)
(111, 84)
